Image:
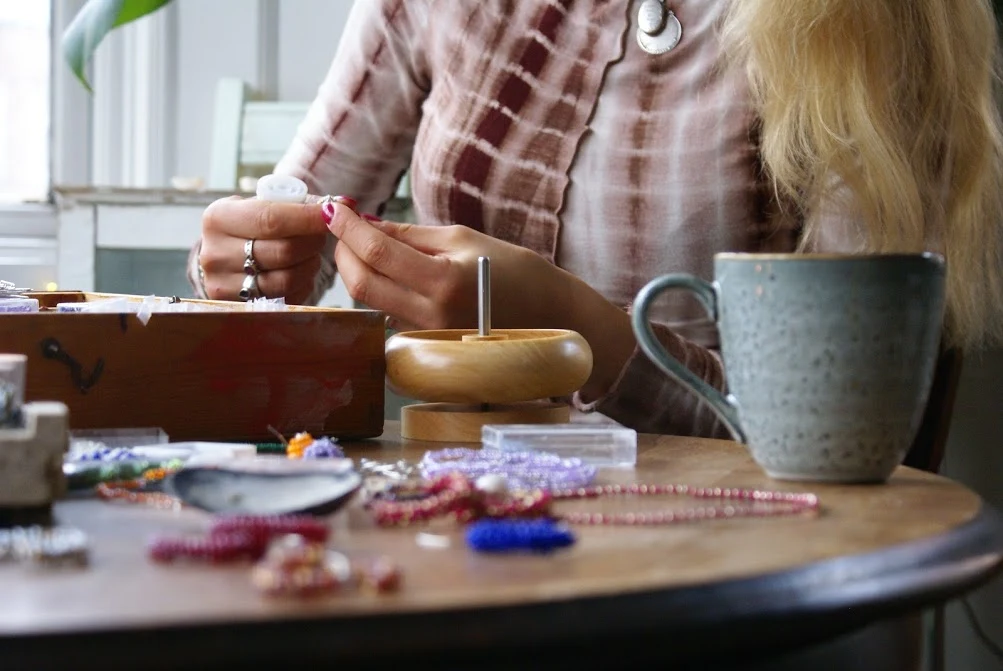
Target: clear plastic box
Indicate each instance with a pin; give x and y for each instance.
(125, 437)
(596, 444)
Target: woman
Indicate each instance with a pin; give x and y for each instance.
(584, 165)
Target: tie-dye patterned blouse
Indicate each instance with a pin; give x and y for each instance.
(543, 123)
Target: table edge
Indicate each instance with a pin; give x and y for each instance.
(839, 594)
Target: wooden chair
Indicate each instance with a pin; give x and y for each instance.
(249, 136)
(927, 453)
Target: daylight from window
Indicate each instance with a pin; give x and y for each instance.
(24, 100)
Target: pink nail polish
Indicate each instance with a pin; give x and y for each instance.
(327, 211)
(345, 200)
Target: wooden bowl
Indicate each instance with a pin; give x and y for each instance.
(509, 366)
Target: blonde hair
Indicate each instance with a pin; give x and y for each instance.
(894, 100)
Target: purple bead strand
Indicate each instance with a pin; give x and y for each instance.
(522, 470)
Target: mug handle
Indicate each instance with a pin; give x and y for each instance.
(723, 406)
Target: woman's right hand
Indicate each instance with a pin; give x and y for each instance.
(289, 239)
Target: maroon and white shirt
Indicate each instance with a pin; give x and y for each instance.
(543, 123)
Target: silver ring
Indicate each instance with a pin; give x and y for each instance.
(250, 265)
(249, 288)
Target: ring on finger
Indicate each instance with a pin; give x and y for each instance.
(250, 265)
(249, 287)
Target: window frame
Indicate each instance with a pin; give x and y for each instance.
(69, 137)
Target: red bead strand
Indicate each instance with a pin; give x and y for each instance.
(454, 495)
(214, 549)
(264, 527)
(239, 537)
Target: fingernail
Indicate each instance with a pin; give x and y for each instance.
(345, 200)
(327, 211)
(370, 217)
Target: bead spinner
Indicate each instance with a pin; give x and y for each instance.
(471, 378)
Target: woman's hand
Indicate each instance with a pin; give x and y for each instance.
(289, 239)
(425, 277)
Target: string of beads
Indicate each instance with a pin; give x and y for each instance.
(456, 496)
(290, 551)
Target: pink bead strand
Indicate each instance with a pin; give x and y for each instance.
(455, 495)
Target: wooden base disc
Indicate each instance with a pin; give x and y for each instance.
(459, 423)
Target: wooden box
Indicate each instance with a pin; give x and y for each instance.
(226, 375)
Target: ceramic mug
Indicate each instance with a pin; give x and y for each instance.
(829, 359)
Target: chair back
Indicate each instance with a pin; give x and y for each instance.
(249, 136)
(927, 451)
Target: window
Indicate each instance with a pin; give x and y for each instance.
(25, 67)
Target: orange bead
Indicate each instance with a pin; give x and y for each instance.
(297, 444)
(154, 474)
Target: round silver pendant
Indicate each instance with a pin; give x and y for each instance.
(664, 41)
(651, 16)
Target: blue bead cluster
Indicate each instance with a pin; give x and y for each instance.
(106, 454)
(323, 448)
(536, 535)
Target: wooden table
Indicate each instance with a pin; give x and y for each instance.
(707, 592)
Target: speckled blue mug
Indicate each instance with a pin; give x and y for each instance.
(829, 359)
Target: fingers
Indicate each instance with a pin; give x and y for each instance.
(428, 239)
(289, 238)
(385, 254)
(379, 292)
(294, 284)
(247, 218)
(225, 254)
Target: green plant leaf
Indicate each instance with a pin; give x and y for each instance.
(94, 21)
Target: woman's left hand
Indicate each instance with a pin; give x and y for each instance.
(425, 277)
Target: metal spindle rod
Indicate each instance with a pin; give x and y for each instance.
(483, 296)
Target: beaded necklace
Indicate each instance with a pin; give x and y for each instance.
(456, 496)
(128, 490)
(522, 470)
(290, 552)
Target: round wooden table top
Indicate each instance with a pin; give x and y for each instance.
(872, 551)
